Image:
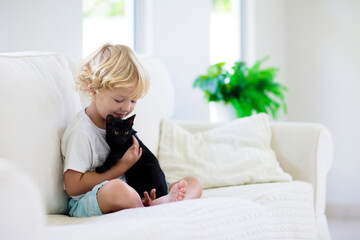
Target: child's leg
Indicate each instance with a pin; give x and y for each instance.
(193, 189)
(117, 195)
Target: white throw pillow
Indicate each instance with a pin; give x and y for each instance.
(235, 153)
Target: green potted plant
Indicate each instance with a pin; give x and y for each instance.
(248, 90)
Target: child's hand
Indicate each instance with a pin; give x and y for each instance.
(147, 200)
(132, 155)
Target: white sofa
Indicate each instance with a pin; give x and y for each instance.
(37, 101)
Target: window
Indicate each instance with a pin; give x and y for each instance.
(225, 31)
(107, 21)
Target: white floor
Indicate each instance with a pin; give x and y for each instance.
(344, 228)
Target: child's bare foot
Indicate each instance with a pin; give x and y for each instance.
(177, 193)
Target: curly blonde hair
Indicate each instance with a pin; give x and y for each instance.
(110, 67)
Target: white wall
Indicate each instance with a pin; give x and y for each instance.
(271, 39)
(177, 32)
(41, 25)
(316, 45)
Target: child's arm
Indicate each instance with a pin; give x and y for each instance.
(77, 183)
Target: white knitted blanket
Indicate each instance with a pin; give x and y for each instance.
(258, 211)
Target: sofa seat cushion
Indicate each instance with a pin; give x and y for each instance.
(261, 211)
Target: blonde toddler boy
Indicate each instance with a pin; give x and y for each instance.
(115, 80)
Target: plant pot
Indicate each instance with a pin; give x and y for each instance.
(220, 112)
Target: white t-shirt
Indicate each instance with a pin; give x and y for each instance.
(83, 145)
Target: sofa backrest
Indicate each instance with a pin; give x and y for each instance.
(156, 105)
(38, 100)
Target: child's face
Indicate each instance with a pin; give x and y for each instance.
(116, 102)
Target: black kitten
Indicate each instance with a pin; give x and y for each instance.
(146, 173)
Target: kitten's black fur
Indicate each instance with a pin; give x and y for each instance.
(146, 173)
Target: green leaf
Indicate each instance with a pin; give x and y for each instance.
(248, 90)
(215, 70)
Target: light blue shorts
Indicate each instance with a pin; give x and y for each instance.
(87, 205)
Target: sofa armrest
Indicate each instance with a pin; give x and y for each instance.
(21, 205)
(305, 151)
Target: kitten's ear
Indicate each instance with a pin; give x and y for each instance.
(110, 120)
(130, 120)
